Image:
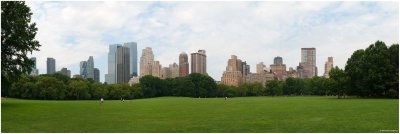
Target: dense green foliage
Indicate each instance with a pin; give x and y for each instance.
(180, 114)
(373, 72)
(17, 39)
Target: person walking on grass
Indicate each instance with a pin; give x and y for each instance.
(101, 101)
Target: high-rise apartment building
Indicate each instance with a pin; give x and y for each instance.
(146, 61)
(199, 62)
(174, 68)
(328, 66)
(232, 76)
(308, 58)
(34, 71)
(166, 73)
(183, 64)
(260, 67)
(123, 65)
(66, 72)
(51, 65)
(133, 58)
(278, 68)
(96, 73)
(156, 69)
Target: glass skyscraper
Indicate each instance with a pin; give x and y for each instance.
(132, 58)
(51, 65)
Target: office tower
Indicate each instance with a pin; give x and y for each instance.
(199, 62)
(156, 69)
(90, 67)
(51, 65)
(133, 58)
(123, 65)
(110, 78)
(245, 68)
(232, 76)
(65, 72)
(146, 61)
(260, 67)
(278, 68)
(83, 69)
(328, 66)
(34, 71)
(96, 73)
(174, 69)
(183, 64)
(308, 57)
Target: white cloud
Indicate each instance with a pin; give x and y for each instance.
(254, 31)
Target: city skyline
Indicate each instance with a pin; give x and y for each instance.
(254, 31)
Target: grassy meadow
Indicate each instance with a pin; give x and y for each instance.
(180, 114)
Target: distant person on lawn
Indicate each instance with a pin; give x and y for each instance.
(101, 101)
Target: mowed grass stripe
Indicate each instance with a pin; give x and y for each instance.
(180, 114)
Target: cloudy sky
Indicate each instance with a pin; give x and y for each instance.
(254, 31)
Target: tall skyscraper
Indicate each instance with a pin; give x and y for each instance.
(199, 62)
(34, 71)
(90, 67)
(65, 72)
(133, 58)
(260, 67)
(146, 61)
(232, 76)
(110, 78)
(83, 69)
(328, 66)
(278, 68)
(123, 65)
(96, 73)
(51, 65)
(183, 64)
(308, 58)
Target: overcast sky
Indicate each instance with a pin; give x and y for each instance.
(256, 32)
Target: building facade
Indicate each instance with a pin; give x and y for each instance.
(328, 66)
(156, 69)
(183, 64)
(83, 69)
(278, 68)
(66, 72)
(174, 68)
(123, 65)
(260, 67)
(199, 62)
(110, 77)
(34, 71)
(90, 67)
(51, 65)
(232, 76)
(96, 73)
(146, 61)
(308, 63)
(133, 58)
(260, 77)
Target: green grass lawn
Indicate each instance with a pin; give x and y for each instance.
(179, 114)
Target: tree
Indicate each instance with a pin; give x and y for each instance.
(393, 82)
(136, 91)
(99, 91)
(50, 88)
(204, 85)
(341, 82)
(273, 88)
(78, 89)
(17, 39)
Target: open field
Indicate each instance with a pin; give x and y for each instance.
(178, 114)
